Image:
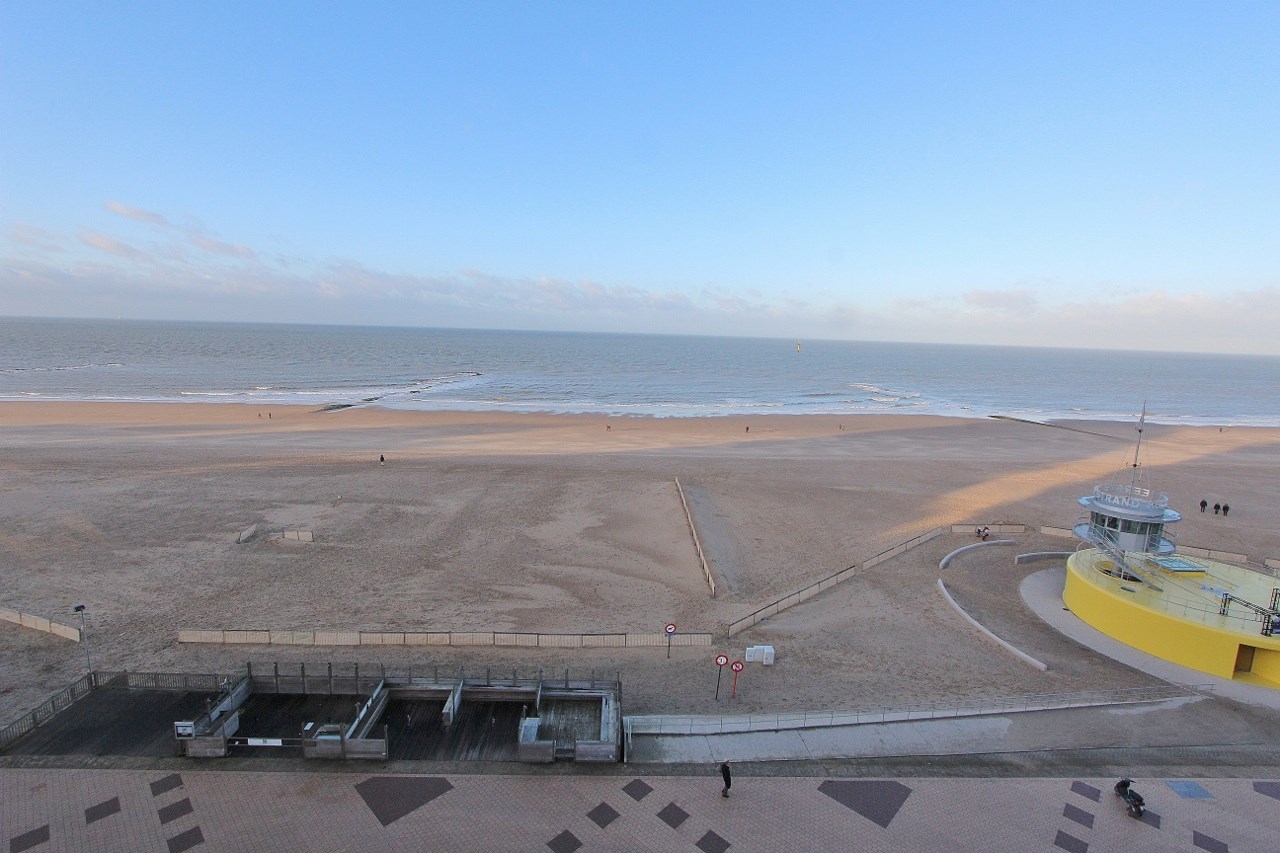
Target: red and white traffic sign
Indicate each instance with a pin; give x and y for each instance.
(721, 660)
(671, 628)
(737, 666)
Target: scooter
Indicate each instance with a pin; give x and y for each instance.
(1137, 806)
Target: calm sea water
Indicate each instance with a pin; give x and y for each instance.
(618, 374)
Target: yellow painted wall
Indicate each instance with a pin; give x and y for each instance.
(1184, 642)
(1266, 664)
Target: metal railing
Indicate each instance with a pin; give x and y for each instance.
(1200, 606)
(702, 725)
(46, 709)
(819, 586)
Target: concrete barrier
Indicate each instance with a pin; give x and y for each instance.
(1063, 532)
(298, 535)
(994, 528)
(945, 561)
(247, 534)
(1035, 556)
(1020, 655)
(1272, 564)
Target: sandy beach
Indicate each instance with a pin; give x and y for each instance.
(562, 523)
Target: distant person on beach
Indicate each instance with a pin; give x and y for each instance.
(986, 531)
(1203, 503)
(382, 460)
(1216, 508)
(977, 532)
(748, 429)
(1226, 508)
(727, 776)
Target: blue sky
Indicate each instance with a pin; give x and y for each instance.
(1068, 174)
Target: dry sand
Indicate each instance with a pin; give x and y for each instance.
(560, 523)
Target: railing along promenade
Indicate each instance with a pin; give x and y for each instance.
(87, 683)
(983, 706)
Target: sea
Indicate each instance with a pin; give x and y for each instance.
(619, 374)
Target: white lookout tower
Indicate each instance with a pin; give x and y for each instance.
(1126, 516)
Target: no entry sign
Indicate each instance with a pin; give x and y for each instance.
(737, 666)
(721, 662)
(670, 629)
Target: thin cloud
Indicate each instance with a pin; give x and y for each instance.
(35, 238)
(218, 247)
(1004, 301)
(111, 245)
(137, 214)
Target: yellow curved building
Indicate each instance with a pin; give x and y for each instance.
(1210, 616)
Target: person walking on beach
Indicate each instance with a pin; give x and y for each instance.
(1226, 508)
(1216, 508)
(727, 776)
(1203, 503)
(382, 460)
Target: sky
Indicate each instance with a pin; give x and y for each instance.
(1027, 173)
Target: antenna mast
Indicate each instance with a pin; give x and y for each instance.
(1142, 420)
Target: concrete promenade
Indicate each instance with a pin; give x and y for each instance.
(1208, 765)
(135, 810)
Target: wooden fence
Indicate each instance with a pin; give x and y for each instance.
(444, 638)
(39, 623)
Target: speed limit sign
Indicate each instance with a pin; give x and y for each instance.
(721, 660)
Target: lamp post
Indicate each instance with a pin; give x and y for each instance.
(84, 637)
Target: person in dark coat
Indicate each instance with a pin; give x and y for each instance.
(727, 776)
(1217, 508)
(1226, 508)
(1203, 503)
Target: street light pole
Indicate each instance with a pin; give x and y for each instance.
(84, 638)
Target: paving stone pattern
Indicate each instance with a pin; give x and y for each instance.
(126, 810)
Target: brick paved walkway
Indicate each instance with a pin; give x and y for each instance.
(133, 810)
